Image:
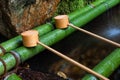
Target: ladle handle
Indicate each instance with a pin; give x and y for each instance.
(95, 35)
(73, 62)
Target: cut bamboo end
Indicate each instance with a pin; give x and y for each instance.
(30, 38)
(61, 21)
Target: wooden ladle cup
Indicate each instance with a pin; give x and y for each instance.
(61, 21)
(30, 38)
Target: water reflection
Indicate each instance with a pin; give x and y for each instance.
(113, 32)
(107, 25)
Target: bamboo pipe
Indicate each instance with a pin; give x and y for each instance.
(16, 42)
(12, 76)
(30, 39)
(62, 22)
(57, 35)
(103, 67)
(85, 9)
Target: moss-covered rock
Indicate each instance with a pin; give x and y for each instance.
(67, 6)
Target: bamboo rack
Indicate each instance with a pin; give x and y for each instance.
(57, 35)
(16, 42)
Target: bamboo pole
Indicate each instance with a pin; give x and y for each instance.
(106, 66)
(16, 42)
(57, 35)
(85, 9)
(12, 76)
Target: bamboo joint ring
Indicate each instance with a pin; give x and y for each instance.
(3, 50)
(17, 57)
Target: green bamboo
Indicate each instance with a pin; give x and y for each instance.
(16, 42)
(85, 9)
(106, 66)
(55, 36)
(12, 76)
(68, 6)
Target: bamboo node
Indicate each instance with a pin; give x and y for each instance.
(3, 50)
(106, 5)
(92, 5)
(5, 67)
(17, 57)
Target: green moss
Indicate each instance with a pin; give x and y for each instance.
(68, 6)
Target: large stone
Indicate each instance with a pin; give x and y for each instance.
(17, 16)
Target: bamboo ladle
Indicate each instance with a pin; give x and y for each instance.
(30, 39)
(62, 22)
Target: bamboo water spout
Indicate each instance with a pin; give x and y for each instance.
(57, 35)
(16, 42)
